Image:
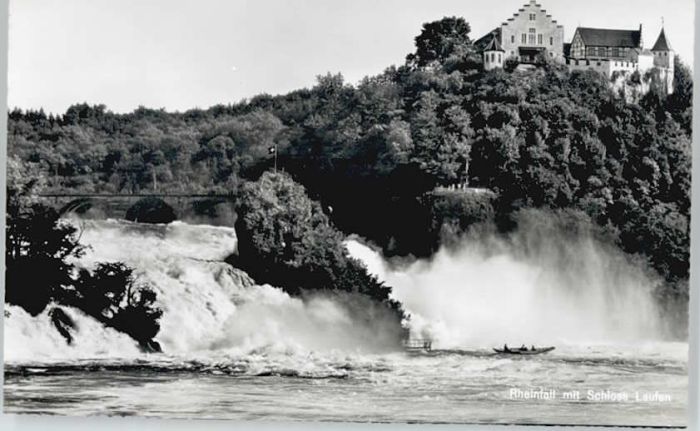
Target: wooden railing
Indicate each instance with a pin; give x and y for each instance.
(417, 344)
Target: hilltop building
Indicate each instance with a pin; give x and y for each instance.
(531, 33)
(528, 33)
(494, 55)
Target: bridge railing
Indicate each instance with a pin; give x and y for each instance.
(418, 344)
(134, 196)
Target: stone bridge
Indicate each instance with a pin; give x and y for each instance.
(113, 205)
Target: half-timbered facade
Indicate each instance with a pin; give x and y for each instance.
(531, 35)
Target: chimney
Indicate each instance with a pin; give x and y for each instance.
(641, 38)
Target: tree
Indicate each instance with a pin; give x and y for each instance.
(112, 295)
(368, 154)
(442, 139)
(439, 40)
(680, 103)
(285, 239)
(38, 244)
(40, 248)
(243, 142)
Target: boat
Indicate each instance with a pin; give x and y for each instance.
(523, 352)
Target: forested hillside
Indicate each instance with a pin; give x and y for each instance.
(369, 152)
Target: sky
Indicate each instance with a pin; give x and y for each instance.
(182, 54)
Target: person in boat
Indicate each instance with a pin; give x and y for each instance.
(505, 348)
(532, 348)
(523, 348)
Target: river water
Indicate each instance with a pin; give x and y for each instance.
(440, 387)
(247, 352)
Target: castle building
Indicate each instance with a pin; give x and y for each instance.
(528, 33)
(494, 55)
(605, 43)
(664, 60)
(532, 33)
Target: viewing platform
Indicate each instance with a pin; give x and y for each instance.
(418, 345)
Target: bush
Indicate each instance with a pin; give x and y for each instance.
(38, 244)
(511, 64)
(286, 240)
(151, 210)
(112, 295)
(39, 250)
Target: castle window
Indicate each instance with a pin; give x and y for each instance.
(524, 38)
(539, 39)
(601, 52)
(499, 57)
(588, 62)
(551, 41)
(493, 57)
(533, 17)
(616, 52)
(532, 36)
(512, 39)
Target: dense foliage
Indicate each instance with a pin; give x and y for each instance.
(369, 152)
(453, 212)
(112, 295)
(286, 239)
(40, 270)
(38, 245)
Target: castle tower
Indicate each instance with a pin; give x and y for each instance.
(663, 53)
(664, 57)
(494, 55)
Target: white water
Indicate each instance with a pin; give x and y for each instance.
(235, 350)
(35, 339)
(209, 308)
(535, 286)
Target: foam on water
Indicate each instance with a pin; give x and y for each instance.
(35, 339)
(218, 325)
(549, 290)
(535, 286)
(209, 308)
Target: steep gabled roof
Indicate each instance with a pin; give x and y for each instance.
(486, 39)
(608, 37)
(494, 45)
(662, 43)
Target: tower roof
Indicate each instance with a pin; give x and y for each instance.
(494, 45)
(662, 43)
